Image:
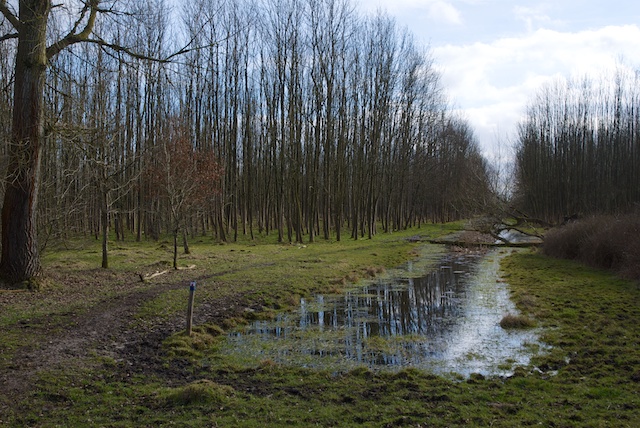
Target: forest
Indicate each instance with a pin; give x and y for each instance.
(299, 118)
(322, 123)
(578, 148)
(297, 151)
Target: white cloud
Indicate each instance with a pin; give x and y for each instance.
(444, 11)
(435, 10)
(533, 17)
(493, 82)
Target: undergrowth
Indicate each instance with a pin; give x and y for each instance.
(608, 242)
(511, 321)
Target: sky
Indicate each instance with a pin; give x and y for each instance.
(494, 55)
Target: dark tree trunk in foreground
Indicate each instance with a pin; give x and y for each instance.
(20, 258)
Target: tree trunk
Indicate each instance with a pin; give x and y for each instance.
(20, 257)
(104, 220)
(185, 243)
(175, 248)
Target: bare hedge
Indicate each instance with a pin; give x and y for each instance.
(608, 242)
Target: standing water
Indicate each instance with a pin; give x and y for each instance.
(445, 320)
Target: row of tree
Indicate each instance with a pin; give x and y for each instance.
(322, 122)
(578, 149)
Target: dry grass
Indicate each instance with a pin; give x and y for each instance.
(511, 321)
(199, 392)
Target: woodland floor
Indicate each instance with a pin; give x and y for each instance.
(106, 327)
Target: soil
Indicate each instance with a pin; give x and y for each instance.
(103, 325)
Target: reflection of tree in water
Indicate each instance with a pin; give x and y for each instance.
(425, 307)
(447, 320)
(422, 306)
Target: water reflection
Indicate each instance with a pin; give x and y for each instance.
(444, 321)
(391, 308)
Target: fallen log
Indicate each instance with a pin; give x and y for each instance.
(462, 243)
(146, 277)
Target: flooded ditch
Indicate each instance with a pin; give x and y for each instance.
(439, 314)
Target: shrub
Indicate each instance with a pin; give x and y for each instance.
(567, 241)
(608, 242)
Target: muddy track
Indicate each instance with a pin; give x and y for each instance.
(105, 328)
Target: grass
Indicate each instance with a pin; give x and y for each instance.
(511, 321)
(200, 392)
(589, 377)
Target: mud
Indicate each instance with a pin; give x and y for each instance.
(103, 325)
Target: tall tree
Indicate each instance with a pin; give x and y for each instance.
(324, 121)
(20, 257)
(577, 149)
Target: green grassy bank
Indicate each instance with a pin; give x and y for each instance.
(590, 377)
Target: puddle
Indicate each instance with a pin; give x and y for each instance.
(512, 235)
(443, 319)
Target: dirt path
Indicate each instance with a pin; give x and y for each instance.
(99, 326)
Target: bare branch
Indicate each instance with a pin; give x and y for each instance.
(85, 9)
(91, 6)
(122, 49)
(8, 37)
(9, 14)
(74, 37)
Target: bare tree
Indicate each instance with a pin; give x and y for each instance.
(185, 177)
(322, 119)
(577, 149)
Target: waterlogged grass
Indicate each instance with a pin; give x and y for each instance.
(511, 321)
(275, 276)
(588, 378)
(339, 343)
(583, 299)
(590, 319)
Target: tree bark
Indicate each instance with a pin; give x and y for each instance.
(20, 258)
(175, 247)
(185, 243)
(104, 222)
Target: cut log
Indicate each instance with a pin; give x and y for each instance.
(145, 277)
(148, 276)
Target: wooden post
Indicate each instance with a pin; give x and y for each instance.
(192, 292)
